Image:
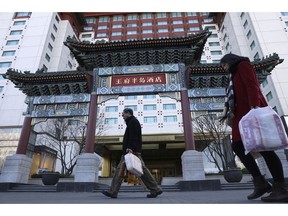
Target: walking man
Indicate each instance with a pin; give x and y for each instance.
(132, 142)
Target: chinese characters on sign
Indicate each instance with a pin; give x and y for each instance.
(145, 79)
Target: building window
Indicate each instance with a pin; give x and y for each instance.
(249, 34)
(132, 17)
(131, 32)
(17, 23)
(86, 35)
(191, 14)
(130, 97)
(57, 19)
(162, 23)
(12, 42)
(50, 47)
(118, 18)
(88, 28)
(176, 14)
(150, 107)
(225, 37)
(216, 61)
(214, 44)
(161, 15)
(284, 13)
(111, 109)
(111, 121)
(162, 30)
(104, 19)
(1, 87)
(149, 31)
(133, 107)
(194, 29)
(147, 24)
(8, 53)
(175, 22)
(208, 20)
(45, 68)
(47, 57)
(5, 64)
(265, 83)
(149, 96)
(116, 33)
(252, 45)
(193, 21)
(132, 25)
(102, 27)
(213, 36)
(117, 26)
(227, 46)
(178, 29)
(242, 15)
(150, 119)
(210, 28)
(204, 13)
(286, 23)
(22, 14)
(269, 96)
(170, 118)
(52, 37)
(169, 106)
(69, 65)
(16, 32)
(146, 16)
(101, 35)
(256, 56)
(90, 20)
(222, 29)
(216, 52)
(55, 28)
(245, 24)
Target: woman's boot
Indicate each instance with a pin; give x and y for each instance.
(279, 193)
(261, 186)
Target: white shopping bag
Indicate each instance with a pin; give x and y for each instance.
(261, 129)
(133, 164)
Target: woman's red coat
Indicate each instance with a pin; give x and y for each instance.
(247, 94)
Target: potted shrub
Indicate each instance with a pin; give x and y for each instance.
(50, 177)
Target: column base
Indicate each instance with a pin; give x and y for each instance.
(87, 168)
(192, 165)
(16, 169)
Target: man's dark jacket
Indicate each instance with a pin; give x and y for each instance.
(133, 136)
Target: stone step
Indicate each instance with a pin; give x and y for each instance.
(237, 186)
(124, 188)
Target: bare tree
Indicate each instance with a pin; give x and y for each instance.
(219, 151)
(67, 137)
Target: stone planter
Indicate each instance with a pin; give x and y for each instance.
(233, 175)
(50, 178)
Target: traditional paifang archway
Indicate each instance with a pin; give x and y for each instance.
(171, 65)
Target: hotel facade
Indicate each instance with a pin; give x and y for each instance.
(35, 41)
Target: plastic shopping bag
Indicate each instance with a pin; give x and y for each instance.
(133, 164)
(261, 129)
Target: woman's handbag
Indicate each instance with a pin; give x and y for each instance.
(133, 164)
(261, 129)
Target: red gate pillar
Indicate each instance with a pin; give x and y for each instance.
(187, 121)
(91, 125)
(24, 136)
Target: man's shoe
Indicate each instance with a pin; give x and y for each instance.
(154, 195)
(106, 193)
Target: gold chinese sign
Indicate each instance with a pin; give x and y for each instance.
(143, 79)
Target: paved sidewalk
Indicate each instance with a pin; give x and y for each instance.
(187, 197)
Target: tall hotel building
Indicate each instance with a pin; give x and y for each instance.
(31, 41)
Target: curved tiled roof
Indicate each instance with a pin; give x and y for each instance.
(186, 50)
(213, 75)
